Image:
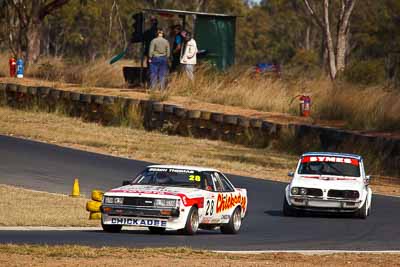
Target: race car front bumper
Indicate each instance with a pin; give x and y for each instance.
(324, 204)
(169, 218)
(131, 211)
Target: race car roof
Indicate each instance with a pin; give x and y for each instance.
(183, 167)
(332, 154)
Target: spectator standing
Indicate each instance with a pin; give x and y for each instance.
(176, 47)
(159, 53)
(189, 55)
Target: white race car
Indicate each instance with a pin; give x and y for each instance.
(180, 198)
(329, 182)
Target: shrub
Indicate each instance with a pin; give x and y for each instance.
(366, 72)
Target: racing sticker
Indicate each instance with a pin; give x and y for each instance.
(139, 222)
(228, 201)
(170, 170)
(329, 159)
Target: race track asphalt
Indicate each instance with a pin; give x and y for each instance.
(52, 168)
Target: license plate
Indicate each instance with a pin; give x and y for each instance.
(136, 221)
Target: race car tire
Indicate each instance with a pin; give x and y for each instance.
(362, 213)
(156, 230)
(287, 209)
(93, 206)
(111, 228)
(192, 222)
(97, 195)
(233, 226)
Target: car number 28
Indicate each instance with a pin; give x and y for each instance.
(209, 207)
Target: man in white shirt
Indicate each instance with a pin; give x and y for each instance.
(188, 54)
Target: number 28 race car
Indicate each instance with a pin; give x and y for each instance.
(329, 182)
(177, 198)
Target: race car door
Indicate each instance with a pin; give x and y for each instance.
(210, 200)
(224, 207)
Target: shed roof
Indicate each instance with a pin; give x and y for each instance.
(181, 12)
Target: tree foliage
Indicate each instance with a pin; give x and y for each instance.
(269, 30)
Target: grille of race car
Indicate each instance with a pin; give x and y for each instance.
(139, 201)
(314, 192)
(350, 194)
(303, 191)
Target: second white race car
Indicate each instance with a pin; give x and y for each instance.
(329, 182)
(177, 198)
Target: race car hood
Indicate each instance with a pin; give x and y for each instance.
(328, 182)
(154, 191)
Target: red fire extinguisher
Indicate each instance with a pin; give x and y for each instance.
(305, 105)
(13, 66)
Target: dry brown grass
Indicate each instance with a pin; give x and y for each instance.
(22, 207)
(97, 73)
(368, 108)
(156, 147)
(34, 255)
(359, 107)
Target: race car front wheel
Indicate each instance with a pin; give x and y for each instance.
(192, 222)
(363, 212)
(234, 224)
(111, 228)
(287, 209)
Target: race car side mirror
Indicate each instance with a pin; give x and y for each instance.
(290, 174)
(126, 182)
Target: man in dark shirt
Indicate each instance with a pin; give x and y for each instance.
(176, 48)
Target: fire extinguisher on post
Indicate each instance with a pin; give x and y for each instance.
(13, 66)
(305, 104)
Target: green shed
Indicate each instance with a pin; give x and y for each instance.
(214, 33)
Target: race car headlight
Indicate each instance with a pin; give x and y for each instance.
(165, 202)
(303, 191)
(118, 200)
(295, 191)
(108, 200)
(113, 200)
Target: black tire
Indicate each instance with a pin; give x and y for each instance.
(234, 224)
(192, 222)
(111, 228)
(363, 212)
(287, 209)
(156, 230)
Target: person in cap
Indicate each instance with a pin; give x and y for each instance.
(189, 55)
(159, 53)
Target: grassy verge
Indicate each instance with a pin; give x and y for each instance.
(156, 147)
(32, 255)
(33, 208)
(142, 145)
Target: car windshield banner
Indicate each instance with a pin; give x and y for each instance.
(330, 159)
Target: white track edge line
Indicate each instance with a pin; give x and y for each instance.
(309, 252)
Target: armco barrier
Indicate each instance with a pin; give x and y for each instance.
(172, 119)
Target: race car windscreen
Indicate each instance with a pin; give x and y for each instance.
(169, 177)
(322, 165)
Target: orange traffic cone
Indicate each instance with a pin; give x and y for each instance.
(75, 189)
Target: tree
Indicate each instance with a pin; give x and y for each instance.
(336, 45)
(30, 16)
